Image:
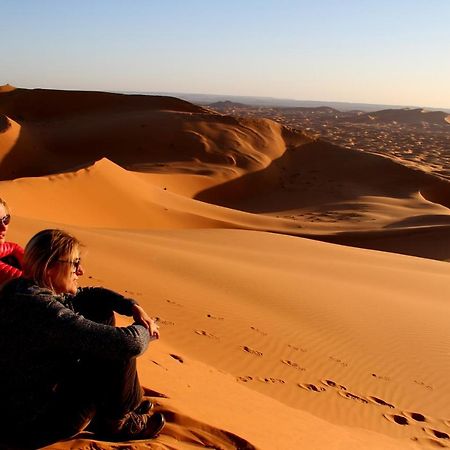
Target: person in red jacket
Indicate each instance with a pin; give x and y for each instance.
(11, 254)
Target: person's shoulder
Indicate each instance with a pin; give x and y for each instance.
(24, 287)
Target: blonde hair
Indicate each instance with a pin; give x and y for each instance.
(5, 205)
(44, 250)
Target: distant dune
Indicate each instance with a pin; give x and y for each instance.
(407, 116)
(270, 339)
(6, 88)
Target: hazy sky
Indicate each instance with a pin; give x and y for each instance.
(371, 51)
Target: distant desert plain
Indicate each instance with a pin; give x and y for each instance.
(297, 261)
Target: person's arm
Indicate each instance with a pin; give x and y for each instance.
(109, 299)
(60, 327)
(8, 272)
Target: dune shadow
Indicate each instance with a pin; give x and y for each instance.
(421, 221)
(180, 431)
(319, 173)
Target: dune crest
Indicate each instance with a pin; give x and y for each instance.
(7, 88)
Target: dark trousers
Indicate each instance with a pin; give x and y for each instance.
(93, 388)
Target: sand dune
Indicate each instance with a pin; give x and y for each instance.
(294, 184)
(269, 340)
(291, 319)
(372, 222)
(6, 88)
(74, 129)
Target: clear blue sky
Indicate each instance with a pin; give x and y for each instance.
(371, 51)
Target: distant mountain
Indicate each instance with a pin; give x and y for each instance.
(227, 104)
(206, 99)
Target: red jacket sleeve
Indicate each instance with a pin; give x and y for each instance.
(7, 271)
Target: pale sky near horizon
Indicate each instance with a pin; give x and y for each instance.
(385, 52)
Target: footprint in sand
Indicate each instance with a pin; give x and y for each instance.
(417, 417)
(95, 279)
(294, 347)
(251, 351)
(293, 364)
(397, 418)
(206, 334)
(263, 333)
(436, 433)
(379, 401)
(163, 321)
(350, 396)
(338, 361)
(245, 379)
(159, 365)
(210, 316)
(178, 358)
(333, 384)
(311, 387)
(133, 293)
(421, 383)
(271, 380)
(379, 377)
(174, 303)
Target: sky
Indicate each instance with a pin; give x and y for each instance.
(392, 52)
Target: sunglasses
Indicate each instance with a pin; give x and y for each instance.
(5, 219)
(75, 263)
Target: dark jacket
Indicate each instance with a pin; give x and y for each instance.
(43, 334)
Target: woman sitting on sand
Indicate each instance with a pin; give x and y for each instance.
(11, 254)
(63, 362)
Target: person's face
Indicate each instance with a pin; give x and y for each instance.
(63, 276)
(3, 228)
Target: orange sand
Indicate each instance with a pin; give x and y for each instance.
(269, 339)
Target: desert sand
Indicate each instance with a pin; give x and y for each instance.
(302, 288)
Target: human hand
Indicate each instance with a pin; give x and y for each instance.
(142, 318)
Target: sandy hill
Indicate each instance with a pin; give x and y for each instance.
(61, 130)
(6, 88)
(416, 116)
(269, 340)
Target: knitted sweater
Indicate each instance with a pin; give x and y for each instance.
(41, 335)
(11, 256)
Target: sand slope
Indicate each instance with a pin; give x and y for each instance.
(291, 319)
(270, 340)
(404, 222)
